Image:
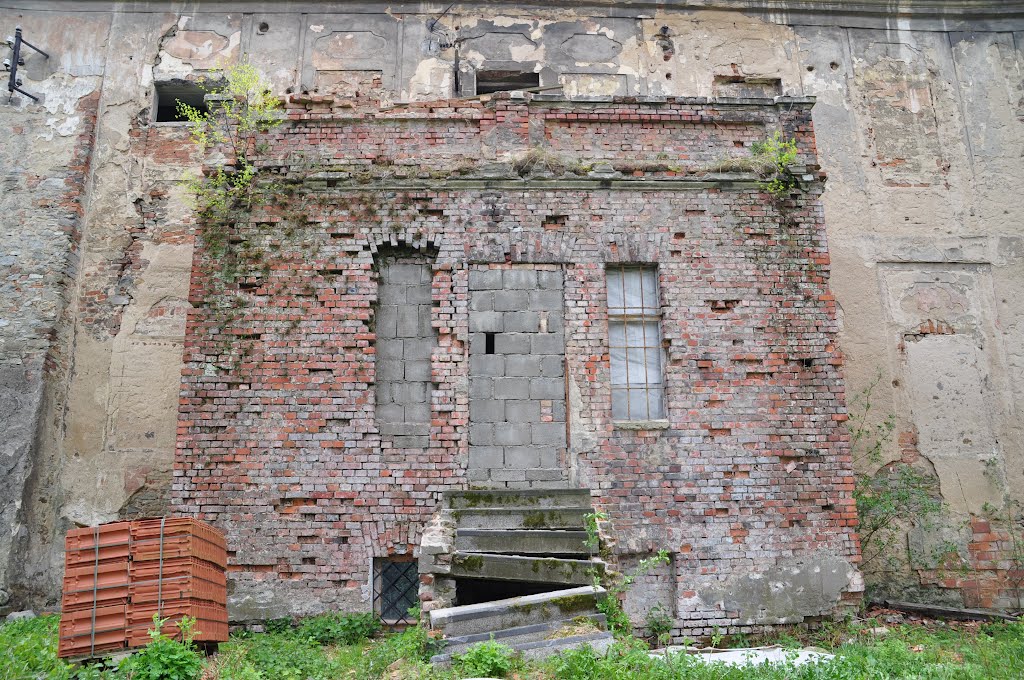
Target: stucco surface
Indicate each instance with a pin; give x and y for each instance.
(919, 124)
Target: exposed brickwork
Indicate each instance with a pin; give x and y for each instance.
(277, 440)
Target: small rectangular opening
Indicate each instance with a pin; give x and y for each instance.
(489, 343)
(502, 81)
(395, 588)
(169, 93)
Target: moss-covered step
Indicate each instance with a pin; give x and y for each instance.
(521, 518)
(518, 498)
(516, 612)
(564, 543)
(524, 568)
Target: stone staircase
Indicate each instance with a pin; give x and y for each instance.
(520, 571)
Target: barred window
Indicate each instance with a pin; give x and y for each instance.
(396, 586)
(634, 338)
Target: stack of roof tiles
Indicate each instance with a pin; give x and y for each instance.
(119, 576)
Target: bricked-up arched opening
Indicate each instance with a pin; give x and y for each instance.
(405, 340)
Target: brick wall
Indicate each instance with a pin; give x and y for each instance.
(278, 441)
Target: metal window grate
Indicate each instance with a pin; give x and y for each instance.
(396, 587)
(634, 343)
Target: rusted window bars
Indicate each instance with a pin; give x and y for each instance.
(634, 341)
(396, 586)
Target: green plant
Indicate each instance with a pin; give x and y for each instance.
(339, 629)
(165, 658)
(617, 584)
(592, 522)
(413, 647)
(776, 154)
(29, 649)
(659, 624)
(898, 493)
(486, 659)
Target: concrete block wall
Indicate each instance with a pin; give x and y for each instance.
(517, 433)
(405, 341)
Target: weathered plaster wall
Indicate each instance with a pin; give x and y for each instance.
(918, 122)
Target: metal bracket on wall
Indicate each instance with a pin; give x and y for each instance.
(16, 60)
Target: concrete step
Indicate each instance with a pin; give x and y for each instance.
(522, 634)
(525, 568)
(599, 641)
(515, 612)
(519, 498)
(523, 542)
(519, 518)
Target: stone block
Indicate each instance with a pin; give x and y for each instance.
(514, 388)
(409, 322)
(522, 457)
(521, 322)
(481, 388)
(507, 475)
(486, 456)
(408, 441)
(487, 411)
(418, 412)
(549, 434)
(554, 474)
(418, 348)
(481, 434)
(419, 295)
(550, 280)
(547, 388)
(511, 434)
(485, 279)
(547, 343)
(385, 321)
(407, 273)
(417, 371)
(389, 348)
(553, 367)
(391, 295)
(522, 411)
(513, 343)
(389, 413)
(486, 365)
(486, 322)
(481, 301)
(522, 365)
(389, 370)
(523, 279)
(511, 300)
(410, 392)
(548, 458)
(545, 300)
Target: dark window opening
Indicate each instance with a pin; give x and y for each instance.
(396, 587)
(501, 81)
(489, 343)
(475, 591)
(168, 95)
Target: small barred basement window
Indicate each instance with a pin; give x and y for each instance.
(396, 586)
(634, 342)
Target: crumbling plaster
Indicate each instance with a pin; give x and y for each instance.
(919, 129)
